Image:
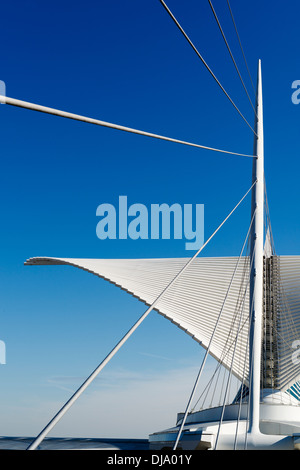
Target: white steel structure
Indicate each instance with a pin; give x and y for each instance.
(220, 302)
(256, 254)
(244, 311)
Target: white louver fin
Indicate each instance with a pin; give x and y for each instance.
(193, 303)
(288, 320)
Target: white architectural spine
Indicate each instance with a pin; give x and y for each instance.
(256, 282)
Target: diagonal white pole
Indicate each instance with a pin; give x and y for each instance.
(94, 374)
(98, 122)
(256, 250)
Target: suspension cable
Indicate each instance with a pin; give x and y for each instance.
(233, 354)
(241, 393)
(207, 351)
(235, 27)
(246, 362)
(205, 64)
(231, 55)
(226, 348)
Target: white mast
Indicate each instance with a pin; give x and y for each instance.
(256, 254)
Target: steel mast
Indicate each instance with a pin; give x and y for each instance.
(256, 256)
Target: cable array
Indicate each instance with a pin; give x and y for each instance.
(231, 55)
(205, 64)
(240, 43)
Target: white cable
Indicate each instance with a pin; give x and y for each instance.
(240, 43)
(207, 351)
(231, 55)
(235, 343)
(205, 64)
(244, 372)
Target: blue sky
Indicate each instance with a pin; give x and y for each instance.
(126, 63)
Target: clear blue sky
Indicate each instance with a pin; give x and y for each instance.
(127, 63)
